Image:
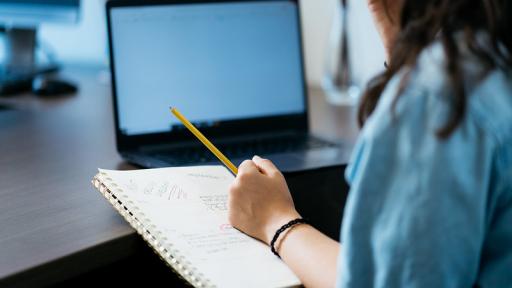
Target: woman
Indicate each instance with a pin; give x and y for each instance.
(431, 176)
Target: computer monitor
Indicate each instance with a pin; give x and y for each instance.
(19, 20)
(221, 63)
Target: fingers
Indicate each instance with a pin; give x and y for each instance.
(257, 165)
(247, 167)
(266, 166)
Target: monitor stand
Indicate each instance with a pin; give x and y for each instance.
(20, 66)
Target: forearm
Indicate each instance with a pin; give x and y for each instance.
(311, 255)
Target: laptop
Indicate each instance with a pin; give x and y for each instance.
(233, 68)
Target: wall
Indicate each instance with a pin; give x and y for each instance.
(367, 54)
(86, 42)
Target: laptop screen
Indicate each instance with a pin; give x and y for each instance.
(215, 62)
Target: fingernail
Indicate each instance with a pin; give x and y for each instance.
(256, 157)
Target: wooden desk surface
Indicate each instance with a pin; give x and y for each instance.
(50, 216)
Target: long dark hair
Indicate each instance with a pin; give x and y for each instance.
(423, 22)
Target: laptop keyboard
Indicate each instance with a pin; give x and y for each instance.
(248, 148)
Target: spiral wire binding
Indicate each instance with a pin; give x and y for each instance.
(143, 225)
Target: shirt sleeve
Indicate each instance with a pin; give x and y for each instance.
(416, 212)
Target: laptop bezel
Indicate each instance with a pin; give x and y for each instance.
(241, 127)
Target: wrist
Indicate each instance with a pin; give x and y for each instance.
(277, 223)
(282, 234)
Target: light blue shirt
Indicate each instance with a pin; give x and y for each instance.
(427, 212)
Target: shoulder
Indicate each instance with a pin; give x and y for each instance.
(425, 105)
(489, 95)
(428, 90)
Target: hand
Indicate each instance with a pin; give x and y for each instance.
(386, 16)
(259, 201)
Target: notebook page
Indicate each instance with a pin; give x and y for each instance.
(188, 206)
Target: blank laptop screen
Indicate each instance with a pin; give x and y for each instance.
(214, 61)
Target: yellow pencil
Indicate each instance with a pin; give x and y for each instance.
(205, 141)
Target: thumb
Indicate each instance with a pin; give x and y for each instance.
(266, 166)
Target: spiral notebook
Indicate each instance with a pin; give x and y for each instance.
(182, 214)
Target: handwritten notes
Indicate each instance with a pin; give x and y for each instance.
(207, 176)
(215, 202)
(186, 209)
(165, 190)
(215, 241)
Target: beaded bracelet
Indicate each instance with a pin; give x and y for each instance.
(281, 230)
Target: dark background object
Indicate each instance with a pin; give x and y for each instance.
(48, 86)
(18, 24)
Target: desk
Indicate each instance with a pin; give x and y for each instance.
(54, 226)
